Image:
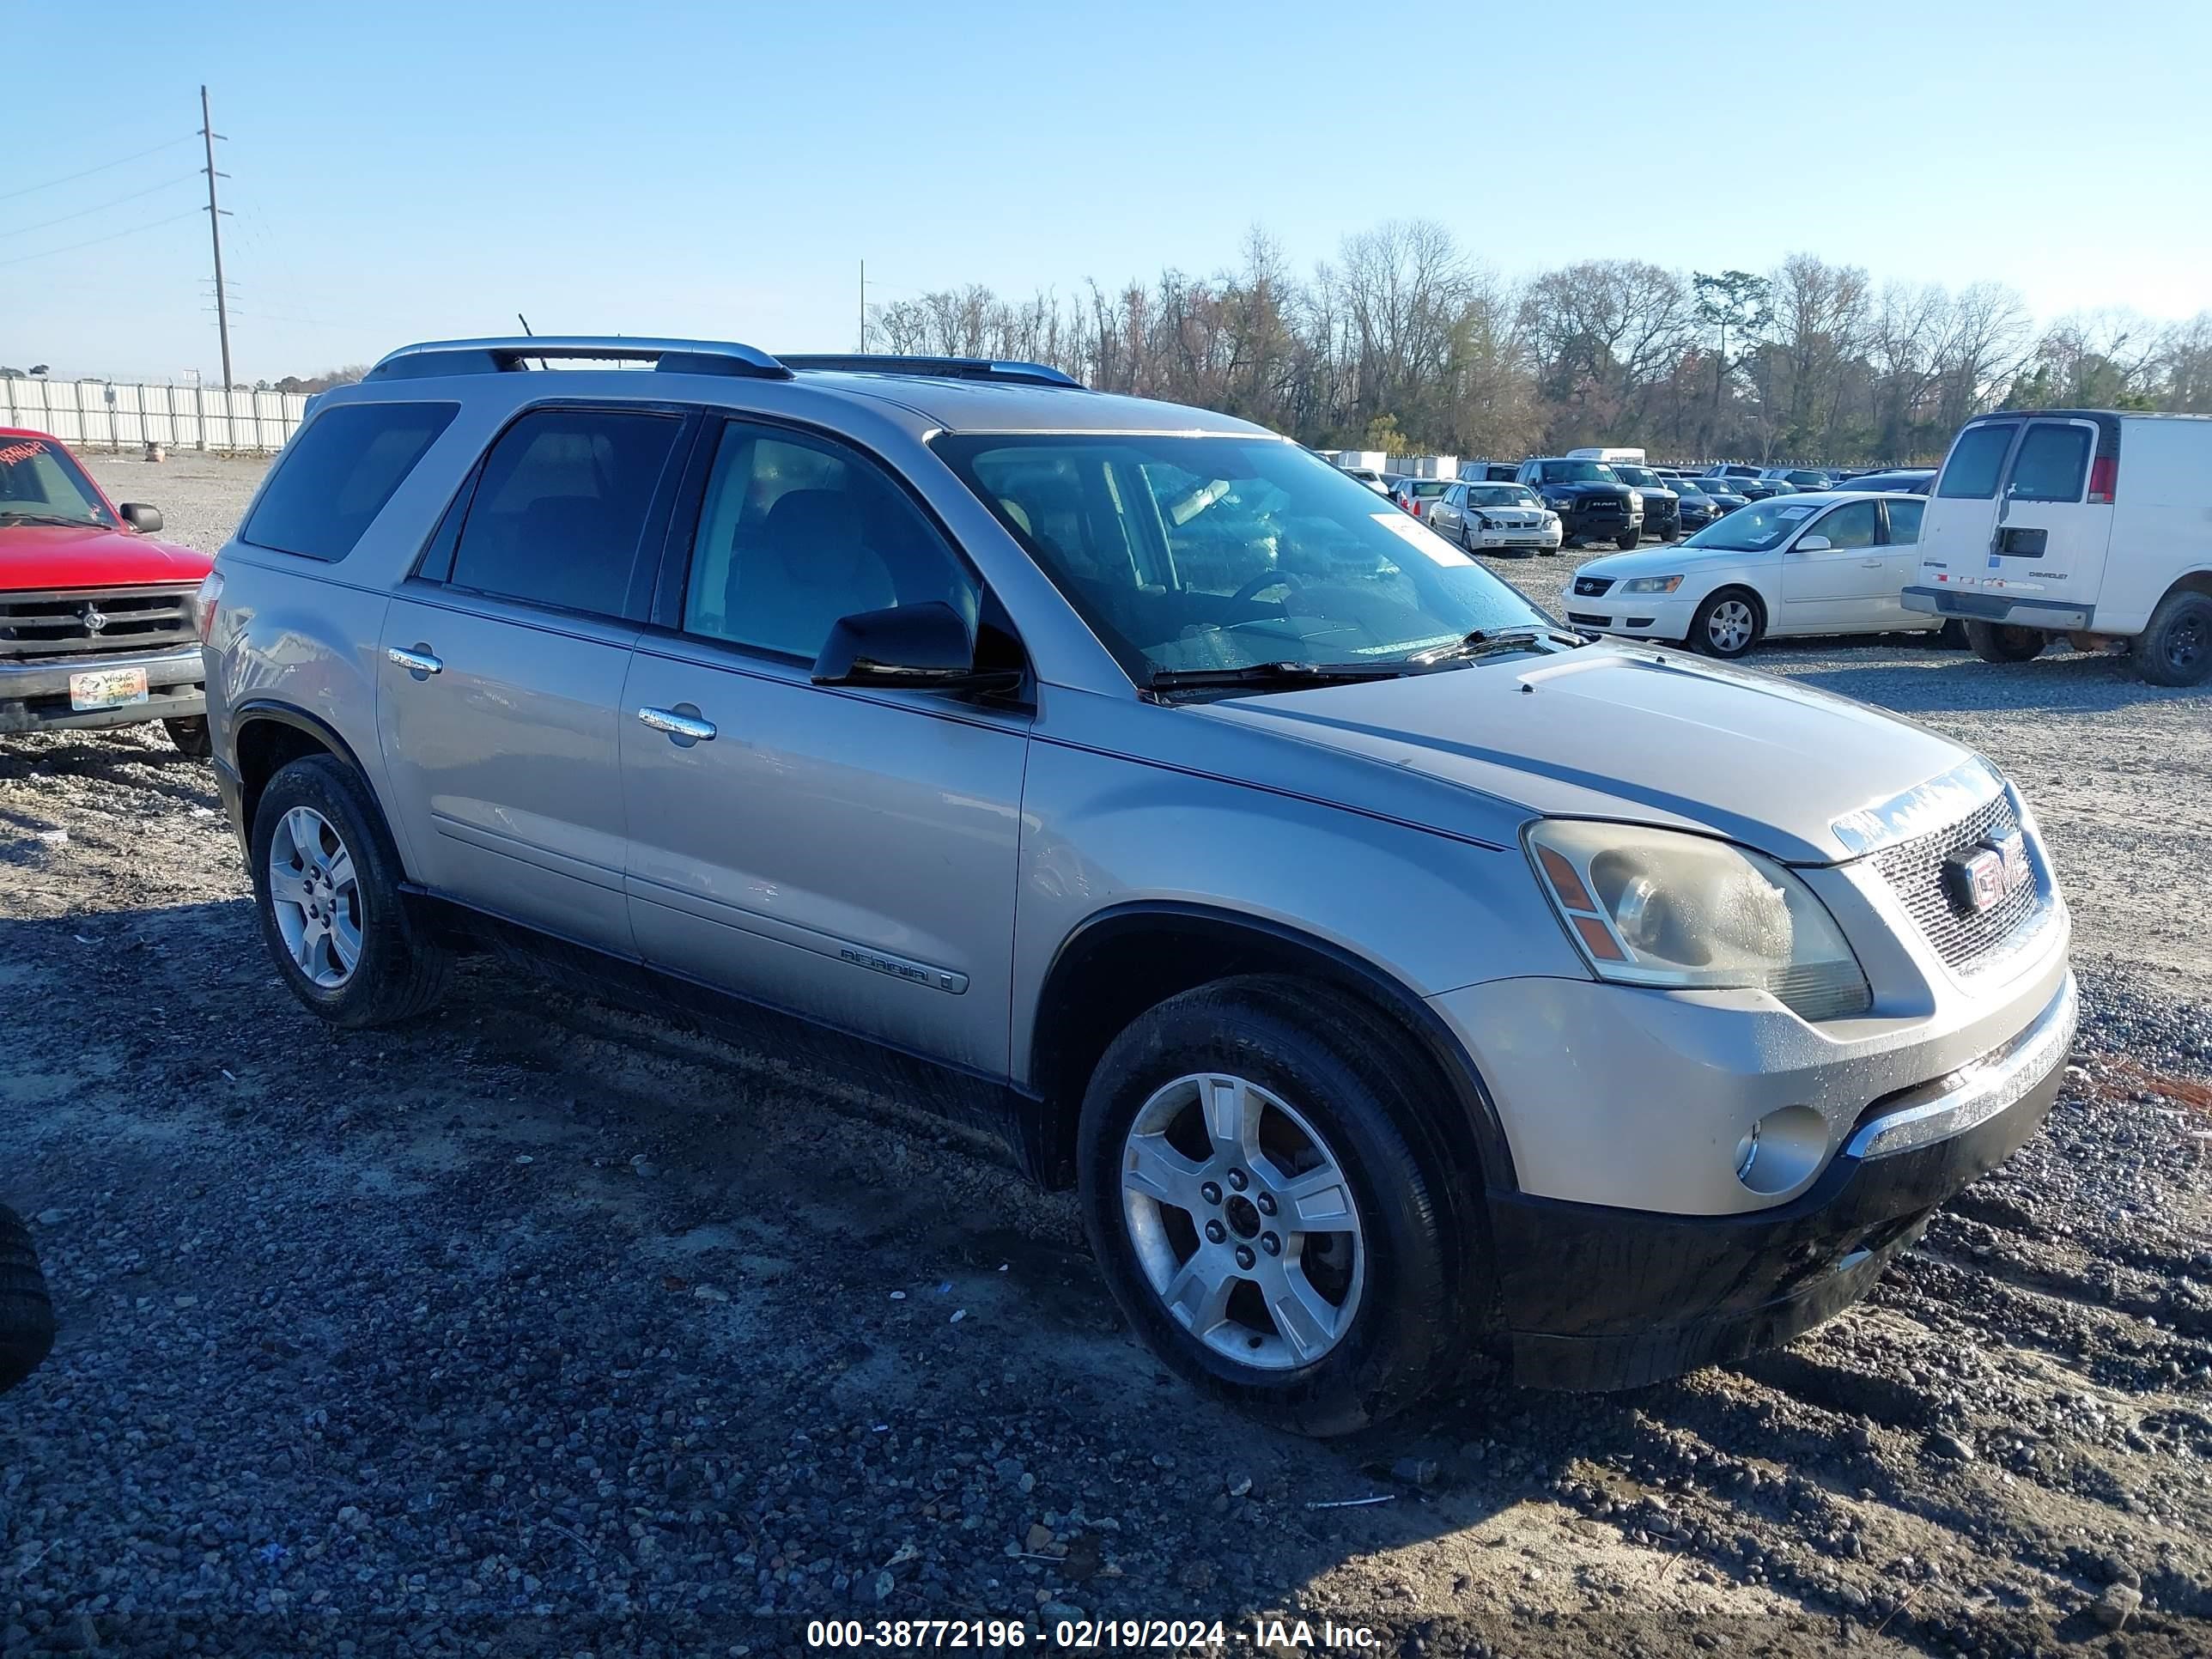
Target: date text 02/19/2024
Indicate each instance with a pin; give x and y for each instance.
(1165, 1635)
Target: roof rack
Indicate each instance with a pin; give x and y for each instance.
(943, 368)
(510, 352)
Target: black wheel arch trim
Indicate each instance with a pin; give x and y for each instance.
(1477, 1112)
(284, 713)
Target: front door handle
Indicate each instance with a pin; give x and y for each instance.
(682, 724)
(418, 662)
(1870, 564)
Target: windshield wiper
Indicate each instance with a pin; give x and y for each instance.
(15, 515)
(1276, 676)
(1483, 641)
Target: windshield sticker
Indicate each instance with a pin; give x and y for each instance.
(1412, 530)
(1794, 513)
(20, 452)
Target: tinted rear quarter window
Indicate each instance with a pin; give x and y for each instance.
(561, 506)
(1971, 474)
(338, 473)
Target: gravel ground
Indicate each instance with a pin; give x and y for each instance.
(543, 1326)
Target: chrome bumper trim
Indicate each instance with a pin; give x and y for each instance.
(1979, 1092)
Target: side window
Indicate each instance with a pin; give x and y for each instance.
(335, 476)
(1904, 521)
(1971, 474)
(1852, 526)
(795, 532)
(2053, 464)
(562, 502)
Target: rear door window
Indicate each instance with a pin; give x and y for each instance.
(2053, 463)
(1976, 460)
(562, 507)
(1905, 520)
(335, 476)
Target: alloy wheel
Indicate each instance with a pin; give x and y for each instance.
(1242, 1221)
(315, 895)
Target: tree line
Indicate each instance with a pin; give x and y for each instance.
(1403, 343)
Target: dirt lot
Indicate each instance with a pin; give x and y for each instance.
(544, 1327)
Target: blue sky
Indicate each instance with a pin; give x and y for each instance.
(405, 171)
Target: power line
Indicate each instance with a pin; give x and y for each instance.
(71, 247)
(71, 178)
(47, 224)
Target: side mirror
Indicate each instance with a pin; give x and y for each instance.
(922, 648)
(140, 517)
(1812, 544)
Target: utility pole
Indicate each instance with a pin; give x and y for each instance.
(864, 305)
(215, 231)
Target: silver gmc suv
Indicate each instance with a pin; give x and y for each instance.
(1411, 989)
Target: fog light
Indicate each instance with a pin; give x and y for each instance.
(1782, 1150)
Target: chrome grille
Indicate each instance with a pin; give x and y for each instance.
(1914, 871)
(84, 622)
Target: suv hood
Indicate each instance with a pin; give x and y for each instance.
(37, 557)
(1640, 734)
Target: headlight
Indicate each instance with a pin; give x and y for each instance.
(1658, 908)
(1651, 584)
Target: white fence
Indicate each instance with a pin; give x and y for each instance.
(95, 414)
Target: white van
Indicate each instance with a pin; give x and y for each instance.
(2087, 523)
(1633, 456)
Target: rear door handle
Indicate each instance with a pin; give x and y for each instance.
(682, 724)
(418, 662)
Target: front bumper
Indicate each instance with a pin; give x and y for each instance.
(2006, 608)
(34, 693)
(1638, 616)
(1596, 1297)
(1509, 538)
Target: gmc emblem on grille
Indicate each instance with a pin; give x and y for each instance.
(1983, 877)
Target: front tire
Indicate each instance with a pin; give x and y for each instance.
(27, 1312)
(190, 736)
(2175, 648)
(326, 885)
(1727, 624)
(1629, 540)
(2004, 642)
(1268, 1210)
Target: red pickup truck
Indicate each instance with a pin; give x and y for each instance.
(99, 620)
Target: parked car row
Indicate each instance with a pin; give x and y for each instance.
(2031, 530)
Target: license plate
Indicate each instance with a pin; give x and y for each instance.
(107, 687)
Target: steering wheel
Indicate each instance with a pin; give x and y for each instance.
(1260, 583)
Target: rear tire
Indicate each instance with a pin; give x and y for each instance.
(190, 736)
(1325, 1087)
(339, 932)
(27, 1312)
(2175, 648)
(2004, 642)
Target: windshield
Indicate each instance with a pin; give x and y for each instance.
(1756, 528)
(1502, 496)
(1579, 472)
(1642, 477)
(1189, 553)
(40, 483)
